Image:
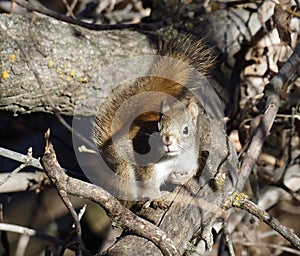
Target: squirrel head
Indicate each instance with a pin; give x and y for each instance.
(178, 127)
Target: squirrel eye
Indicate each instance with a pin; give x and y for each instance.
(185, 130)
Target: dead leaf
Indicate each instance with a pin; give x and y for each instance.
(282, 20)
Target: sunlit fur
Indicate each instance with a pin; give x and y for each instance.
(189, 54)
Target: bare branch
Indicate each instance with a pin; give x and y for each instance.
(271, 94)
(34, 233)
(23, 182)
(20, 158)
(114, 208)
(275, 246)
(137, 26)
(62, 191)
(30, 232)
(241, 201)
(22, 166)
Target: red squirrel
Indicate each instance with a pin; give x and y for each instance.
(167, 132)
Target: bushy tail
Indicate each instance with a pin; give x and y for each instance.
(170, 73)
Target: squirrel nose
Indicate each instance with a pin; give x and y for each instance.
(168, 140)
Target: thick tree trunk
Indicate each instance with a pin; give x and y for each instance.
(76, 64)
(72, 62)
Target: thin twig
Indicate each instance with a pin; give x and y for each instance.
(20, 158)
(73, 131)
(73, 5)
(274, 246)
(241, 201)
(291, 135)
(69, 9)
(24, 181)
(30, 232)
(228, 240)
(34, 162)
(22, 244)
(35, 233)
(11, 174)
(80, 214)
(60, 184)
(137, 26)
(66, 200)
(22, 166)
(279, 183)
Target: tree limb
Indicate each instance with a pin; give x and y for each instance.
(272, 101)
(34, 233)
(244, 203)
(116, 211)
(76, 67)
(26, 181)
(135, 26)
(20, 158)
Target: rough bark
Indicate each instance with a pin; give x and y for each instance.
(69, 60)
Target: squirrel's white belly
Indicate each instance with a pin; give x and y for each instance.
(177, 169)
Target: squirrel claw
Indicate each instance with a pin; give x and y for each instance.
(159, 203)
(156, 204)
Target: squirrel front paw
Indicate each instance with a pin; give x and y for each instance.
(180, 177)
(156, 204)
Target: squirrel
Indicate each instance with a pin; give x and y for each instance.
(147, 130)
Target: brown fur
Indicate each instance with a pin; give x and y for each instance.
(162, 77)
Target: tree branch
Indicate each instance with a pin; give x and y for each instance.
(20, 158)
(242, 202)
(136, 26)
(30, 232)
(19, 168)
(272, 99)
(34, 233)
(115, 210)
(73, 81)
(26, 181)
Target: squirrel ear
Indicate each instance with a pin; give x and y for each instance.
(164, 107)
(194, 110)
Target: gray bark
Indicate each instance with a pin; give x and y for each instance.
(69, 60)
